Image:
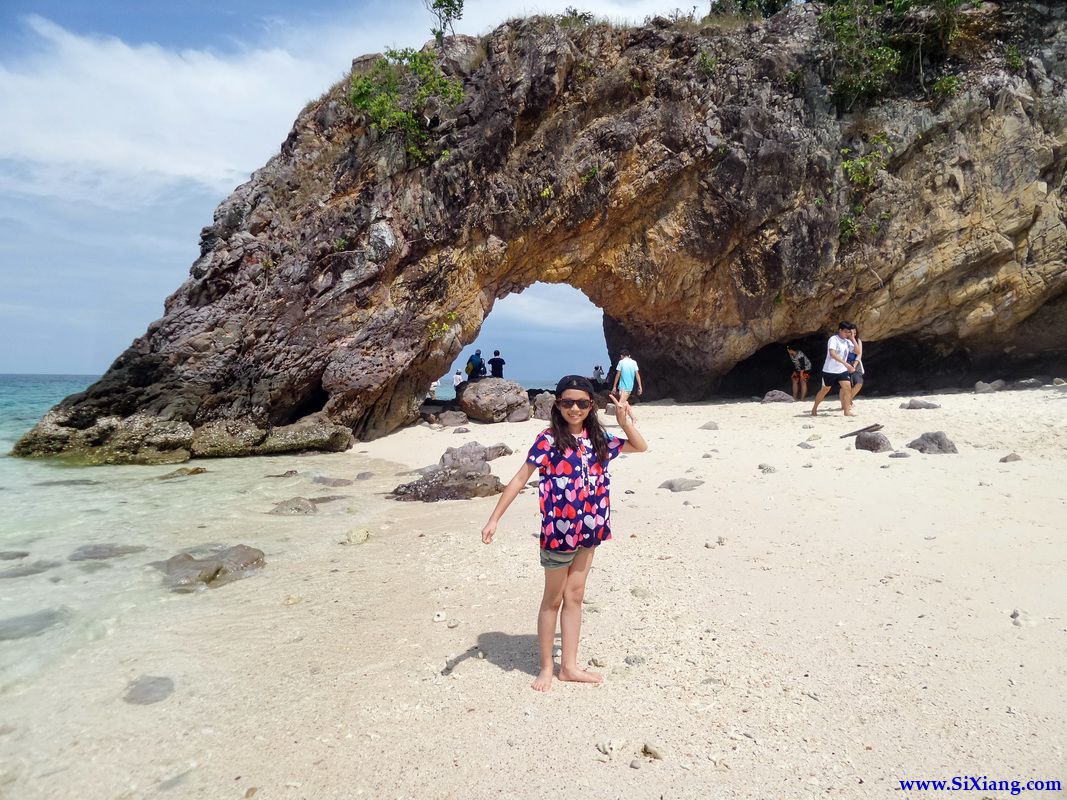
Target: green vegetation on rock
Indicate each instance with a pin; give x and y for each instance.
(398, 90)
(878, 43)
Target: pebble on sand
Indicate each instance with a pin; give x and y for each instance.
(294, 506)
(681, 484)
(356, 536)
(1011, 457)
(653, 750)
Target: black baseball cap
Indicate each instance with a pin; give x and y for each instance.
(579, 382)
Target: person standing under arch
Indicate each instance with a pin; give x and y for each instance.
(801, 371)
(627, 377)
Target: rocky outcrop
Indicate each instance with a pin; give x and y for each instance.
(462, 473)
(687, 178)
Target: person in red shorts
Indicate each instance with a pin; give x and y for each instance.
(801, 371)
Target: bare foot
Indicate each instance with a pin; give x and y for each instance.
(814, 413)
(543, 682)
(849, 414)
(580, 675)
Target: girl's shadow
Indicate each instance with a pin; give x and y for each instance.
(506, 650)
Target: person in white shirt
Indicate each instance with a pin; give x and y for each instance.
(458, 378)
(432, 394)
(836, 369)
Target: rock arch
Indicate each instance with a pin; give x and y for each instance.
(703, 214)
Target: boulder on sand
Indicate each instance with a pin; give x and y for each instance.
(491, 399)
(933, 443)
(873, 441)
(542, 405)
(451, 419)
(472, 454)
(449, 484)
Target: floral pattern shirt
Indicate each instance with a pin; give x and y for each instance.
(573, 493)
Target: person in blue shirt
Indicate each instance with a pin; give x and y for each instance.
(627, 377)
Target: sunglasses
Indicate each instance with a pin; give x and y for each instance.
(584, 405)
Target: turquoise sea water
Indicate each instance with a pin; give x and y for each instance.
(48, 510)
(24, 399)
(447, 392)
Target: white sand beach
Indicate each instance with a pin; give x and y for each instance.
(824, 629)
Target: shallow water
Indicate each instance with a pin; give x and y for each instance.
(50, 510)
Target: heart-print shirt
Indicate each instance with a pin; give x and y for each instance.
(573, 494)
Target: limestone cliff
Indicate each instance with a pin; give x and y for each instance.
(688, 179)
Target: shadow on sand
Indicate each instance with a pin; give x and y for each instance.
(507, 651)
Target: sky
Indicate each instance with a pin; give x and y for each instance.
(124, 124)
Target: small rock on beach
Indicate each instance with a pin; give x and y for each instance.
(148, 689)
(933, 444)
(873, 442)
(681, 484)
(918, 404)
(294, 506)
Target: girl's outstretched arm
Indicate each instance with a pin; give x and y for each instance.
(511, 491)
(635, 442)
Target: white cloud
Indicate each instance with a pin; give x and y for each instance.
(119, 125)
(547, 307)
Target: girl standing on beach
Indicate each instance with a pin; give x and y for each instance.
(572, 456)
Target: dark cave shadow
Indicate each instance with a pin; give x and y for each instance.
(507, 651)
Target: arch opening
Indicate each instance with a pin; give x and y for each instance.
(543, 331)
